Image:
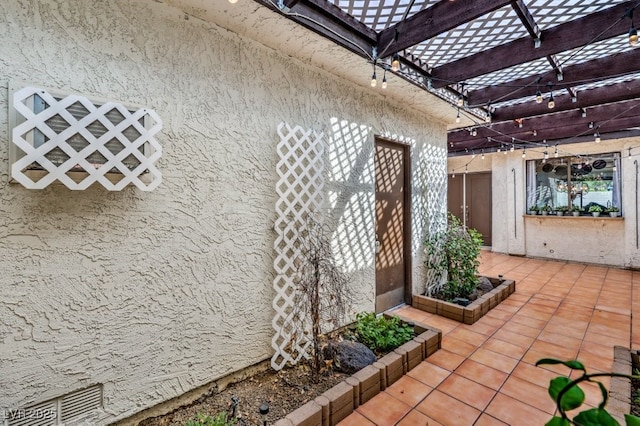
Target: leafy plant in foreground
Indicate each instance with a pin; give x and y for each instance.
(568, 396)
(453, 255)
(219, 419)
(380, 333)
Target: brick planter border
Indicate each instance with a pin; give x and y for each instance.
(338, 402)
(619, 402)
(475, 310)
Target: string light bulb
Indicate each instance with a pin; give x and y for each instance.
(233, 1)
(551, 104)
(395, 63)
(461, 96)
(538, 97)
(597, 136)
(374, 79)
(482, 156)
(384, 80)
(629, 153)
(524, 153)
(633, 33)
(458, 116)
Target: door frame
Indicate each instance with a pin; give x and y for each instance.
(406, 219)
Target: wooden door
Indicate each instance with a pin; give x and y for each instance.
(472, 192)
(455, 201)
(478, 187)
(392, 229)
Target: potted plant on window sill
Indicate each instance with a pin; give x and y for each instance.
(613, 211)
(595, 210)
(545, 210)
(533, 210)
(575, 210)
(560, 210)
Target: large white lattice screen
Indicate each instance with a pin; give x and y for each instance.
(106, 143)
(300, 193)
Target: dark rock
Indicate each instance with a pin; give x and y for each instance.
(474, 295)
(484, 285)
(461, 301)
(348, 357)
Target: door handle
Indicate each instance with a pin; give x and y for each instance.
(378, 246)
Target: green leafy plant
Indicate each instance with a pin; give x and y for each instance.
(219, 419)
(381, 334)
(533, 209)
(611, 208)
(546, 208)
(576, 208)
(453, 254)
(568, 396)
(595, 209)
(562, 208)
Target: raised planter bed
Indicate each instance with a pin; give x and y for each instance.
(341, 400)
(620, 391)
(475, 310)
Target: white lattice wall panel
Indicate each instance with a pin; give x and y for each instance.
(300, 192)
(106, 143)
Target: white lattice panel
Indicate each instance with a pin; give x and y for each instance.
(126, 148)
(300, 192)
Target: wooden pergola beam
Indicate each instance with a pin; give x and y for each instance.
(595, 27)
(428, 23)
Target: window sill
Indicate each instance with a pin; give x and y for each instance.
(555, 216)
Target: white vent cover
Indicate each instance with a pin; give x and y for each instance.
(59, 411)
(79, 142)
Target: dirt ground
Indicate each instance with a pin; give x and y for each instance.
(284, 391)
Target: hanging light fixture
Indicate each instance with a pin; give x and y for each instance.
(482, 156)
(555, 154)
(395, 63)
(597, 136)
(460, 97)
(384, 80)
(551, 104)
(458, 116)
(633, 33)
(524, 153)
(374, 79)
(629, 157)
(538, 97)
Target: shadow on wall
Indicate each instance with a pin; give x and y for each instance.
(351, 188)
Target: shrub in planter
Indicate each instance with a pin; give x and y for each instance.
(381, 334)
(453, 256)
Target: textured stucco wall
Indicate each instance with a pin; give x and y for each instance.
(600, 241)
(153, 294)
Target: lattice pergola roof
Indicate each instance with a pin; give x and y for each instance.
(497, 54)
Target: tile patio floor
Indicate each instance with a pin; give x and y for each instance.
(485, 374)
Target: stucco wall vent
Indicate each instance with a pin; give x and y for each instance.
(79, 403)
(78, 142)
(58, 411)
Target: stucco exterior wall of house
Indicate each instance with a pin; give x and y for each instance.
(152, 294)
(594, 240)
